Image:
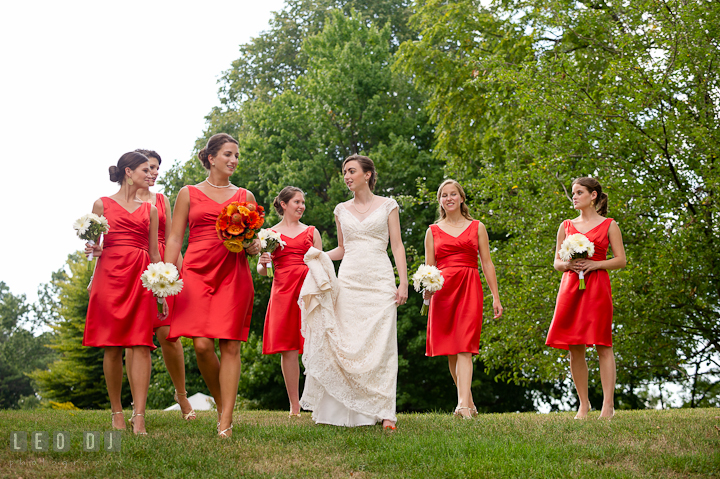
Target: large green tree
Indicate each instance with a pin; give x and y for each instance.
(528, 96)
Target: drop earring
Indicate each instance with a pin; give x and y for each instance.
(130, 182)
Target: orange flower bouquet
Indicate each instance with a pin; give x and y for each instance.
(238, 224)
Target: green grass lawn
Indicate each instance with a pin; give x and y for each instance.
(662, 444)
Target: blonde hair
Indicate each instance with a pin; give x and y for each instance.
(464, 210)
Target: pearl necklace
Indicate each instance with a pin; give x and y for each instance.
(216, 186)
(368, 208)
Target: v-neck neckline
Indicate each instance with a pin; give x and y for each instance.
(206, 196)
(456, 237)
(142, 203)
(591, 229)
(293, 237)
(368, 216)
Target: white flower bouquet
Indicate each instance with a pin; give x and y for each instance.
(577, 246)
(269, 241)
(427, 278)
(91, 227)
(163, 280)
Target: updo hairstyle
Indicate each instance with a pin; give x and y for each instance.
(150, 154)
(464, 210)
(285, 195)
(130, 160)
(213, 146)
(366, 164)
(591, 184)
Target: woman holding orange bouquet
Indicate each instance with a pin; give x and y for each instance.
(217, 298)
(282, 320)
(120, 311)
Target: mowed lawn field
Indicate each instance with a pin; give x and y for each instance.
(680, 443)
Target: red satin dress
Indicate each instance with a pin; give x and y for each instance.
(584, 316)
(455, 314)
(217, 296)
(162, 216)
(121, 311)
(282, 320)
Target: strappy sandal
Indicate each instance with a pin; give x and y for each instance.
(473, 411)
(132, 423)
(456, 413)
(224, 433)
(111, 422)
(189, 416)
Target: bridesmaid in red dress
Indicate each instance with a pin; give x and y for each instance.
(217, 297)
(172, 351)
(584, 317)
(282, 320)
(453, 244)
(120, 312)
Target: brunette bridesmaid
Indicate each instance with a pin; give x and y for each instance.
(453, 244)
(121, 312)
(584, 317)
(282, 320)
(172, 351)
(217, 297)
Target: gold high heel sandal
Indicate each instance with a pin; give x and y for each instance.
(456, 413)
(189, 416)
(224, 433)
(132, 423)
(112, 414)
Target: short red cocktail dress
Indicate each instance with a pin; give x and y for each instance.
(217, 296)
(455, 314)
(121, 311)
(282, 320)
(584, 316)
(162, 216)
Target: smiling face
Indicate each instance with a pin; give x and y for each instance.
(450, 198)
(141, 176)
(226, 160)
(354, 176)
(295, 207)
(154, 169)
(581, 197)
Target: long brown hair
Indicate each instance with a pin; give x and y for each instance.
(464, 210)
(591, 184)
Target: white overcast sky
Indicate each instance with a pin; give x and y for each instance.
(81, 83)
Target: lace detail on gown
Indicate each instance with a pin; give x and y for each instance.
(351, 356)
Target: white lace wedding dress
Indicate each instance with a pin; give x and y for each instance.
(351, 358)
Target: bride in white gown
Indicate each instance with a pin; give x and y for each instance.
(352, 374)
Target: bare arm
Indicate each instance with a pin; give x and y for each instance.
(337, 253)
(317, 240)
(180, 217)
(559, 264)
(488, 268)
(398, 249)
(254, 247)
(96, 250)
(153, 236)
(429, 257)
(168, 228)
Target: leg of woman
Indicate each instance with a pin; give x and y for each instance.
(452, 364)
(175, 363)
(463, 375)
(141, 367)
(579, 370)
(113, 371)
(229, 379)
(291, 373)
(128, 370)
(607, 376)
(209, 366)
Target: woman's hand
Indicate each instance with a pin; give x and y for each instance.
(428, 294)
(497, 308)
(165, 311)
(265, 258)
(401, 295)
(584, 264)
(254, 247)
(96, 250)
